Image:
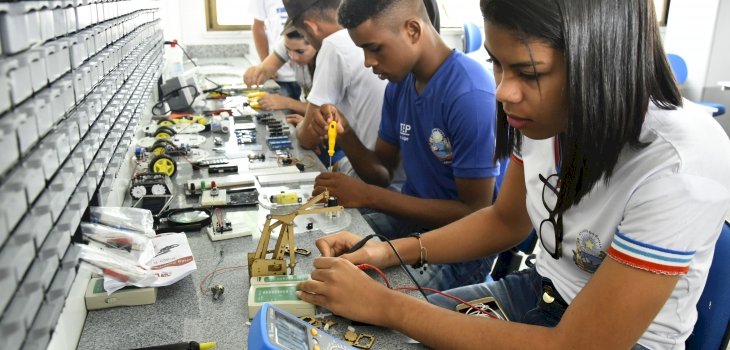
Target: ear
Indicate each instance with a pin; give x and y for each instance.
(312, 27)
(414, 29)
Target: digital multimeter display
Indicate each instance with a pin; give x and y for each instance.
(289, 334)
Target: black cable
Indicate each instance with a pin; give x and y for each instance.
(362, 242)
(170, 94)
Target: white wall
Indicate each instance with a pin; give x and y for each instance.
(698, 31)
(184, 20)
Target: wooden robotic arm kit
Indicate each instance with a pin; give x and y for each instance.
(258, 262)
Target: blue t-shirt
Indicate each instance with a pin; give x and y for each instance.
(445, 132)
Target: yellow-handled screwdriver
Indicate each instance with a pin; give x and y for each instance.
(331, 137)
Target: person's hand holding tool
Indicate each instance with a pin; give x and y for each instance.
(357, 249)
(349, 191)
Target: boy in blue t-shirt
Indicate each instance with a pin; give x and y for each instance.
(438, 122)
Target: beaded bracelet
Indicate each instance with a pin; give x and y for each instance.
(422, 262)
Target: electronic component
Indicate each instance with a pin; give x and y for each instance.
(217, 291)
(279, 144)
(198, 185)
(281, 279)
(155, 204)
(243, 198)
(213, 198)
(274, 328)
(182, 220)
(223, 168)
(281, 295)
(285, 198)
(486, 307)
(150, 184)
(208, 162)
(221, 228)
(97, 298)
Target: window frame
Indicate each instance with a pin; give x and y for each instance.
(211, 20)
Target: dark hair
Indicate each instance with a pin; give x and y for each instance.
(615, 65)
(294, 35)
(353, 12)
(322, 10)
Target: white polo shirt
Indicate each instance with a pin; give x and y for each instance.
(274, 15)
(342, 80)
(662, 212)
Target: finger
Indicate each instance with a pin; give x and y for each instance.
(324, 262)
(317, 190)
(328, 246)
(315, 299)
(328, 111)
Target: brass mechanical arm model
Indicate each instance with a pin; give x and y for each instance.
(258, 262)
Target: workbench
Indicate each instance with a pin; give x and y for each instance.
(183, 313)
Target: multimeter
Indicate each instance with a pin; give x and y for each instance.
(274, 328)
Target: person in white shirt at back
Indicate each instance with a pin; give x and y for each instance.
(341, 78)
(269, 17)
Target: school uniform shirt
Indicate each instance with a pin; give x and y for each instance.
(662, 212)
(445, 132)
(274, 15)
(341, 79)
(301, 71)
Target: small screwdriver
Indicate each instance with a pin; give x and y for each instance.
(331, 136)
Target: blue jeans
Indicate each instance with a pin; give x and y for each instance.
(437, 276)
(519, 294)
(290, 89)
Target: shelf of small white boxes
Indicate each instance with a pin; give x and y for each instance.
(75, 77)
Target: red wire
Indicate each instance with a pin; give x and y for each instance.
(229, 269)
(379, 272)
(490, 314)
(387, 284)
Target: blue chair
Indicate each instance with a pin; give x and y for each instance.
(472, 37)
(679, 67)
(712, 330)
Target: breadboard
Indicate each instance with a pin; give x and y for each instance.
(243, 223)
(208, 200)
(283, 179)
(236, 231)
(281, 295)
(263, 165)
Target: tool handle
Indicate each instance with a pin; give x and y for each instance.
(332, 137)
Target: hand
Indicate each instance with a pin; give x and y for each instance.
(255, 75)
(270, 102)
(350, 192)
(294, 119)
(342, 288)
(373, 252)
(330, 112)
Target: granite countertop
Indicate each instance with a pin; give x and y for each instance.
(183, 313)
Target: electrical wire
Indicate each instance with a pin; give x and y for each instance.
(217, 86)
(454, 297)
(167, 96)
(220, 260)
(362, 242)
(378, 271)
(481, 310)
